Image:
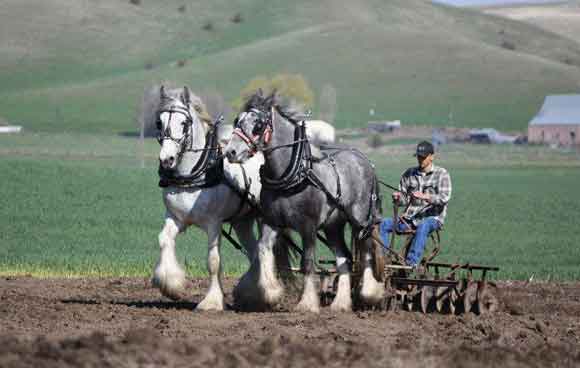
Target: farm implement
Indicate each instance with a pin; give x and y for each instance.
(431, 286)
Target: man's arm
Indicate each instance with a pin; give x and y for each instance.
(402, 199)
(444, 190)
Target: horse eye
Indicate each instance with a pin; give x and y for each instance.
(258, 128)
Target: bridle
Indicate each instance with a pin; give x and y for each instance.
(261, 132)
(207, 171)
(165, 134)
(263, 129)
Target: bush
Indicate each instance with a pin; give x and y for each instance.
(237, 18)
(508, 45)
(291, 86)
(208, 26)
(181, 9)
(181, 63)
(375, 140)
(135, 2)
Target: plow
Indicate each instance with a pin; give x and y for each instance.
(449, 288)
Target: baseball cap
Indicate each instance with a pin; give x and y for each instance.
(424, 148)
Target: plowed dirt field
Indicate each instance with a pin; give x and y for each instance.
(127, 323)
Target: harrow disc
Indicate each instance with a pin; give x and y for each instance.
(442, 298)
(487, 301)
(427, 296)
(408, 302)
(469, 296)
(455, 297)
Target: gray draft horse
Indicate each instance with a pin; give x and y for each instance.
(304, 195)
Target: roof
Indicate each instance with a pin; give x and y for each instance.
(494, 2)
(559, 110)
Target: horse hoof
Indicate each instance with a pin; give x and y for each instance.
(173, 288)
(210, 305)
(372, 295)
(304, 307)
(341, 307)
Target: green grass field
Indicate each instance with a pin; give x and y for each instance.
(80, 66)
(78, 192)
(82, 205)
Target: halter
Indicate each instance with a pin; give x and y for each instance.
(165, 134)
(258, 141)
(208, 170)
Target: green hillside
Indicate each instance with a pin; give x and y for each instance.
(81, 65)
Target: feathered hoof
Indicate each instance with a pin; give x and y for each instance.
(341, 306)
(307, 307)
(211, 304)
(250, 296)
(372, 291)
(172, 286)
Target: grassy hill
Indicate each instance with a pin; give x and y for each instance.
(562, 19)
(80, 65)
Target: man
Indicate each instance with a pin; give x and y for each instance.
(425, 191)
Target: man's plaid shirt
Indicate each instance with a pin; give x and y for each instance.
(436, 183)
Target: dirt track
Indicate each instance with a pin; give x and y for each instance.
(126, 323)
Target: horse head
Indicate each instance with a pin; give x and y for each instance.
(179, 113)
(252, 128)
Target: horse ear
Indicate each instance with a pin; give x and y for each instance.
(162, 92)
(186, 95)
(273, 98)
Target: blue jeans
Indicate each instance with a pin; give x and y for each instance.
(424, 228)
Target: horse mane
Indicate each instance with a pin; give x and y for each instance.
(195, 103)
(288, 109)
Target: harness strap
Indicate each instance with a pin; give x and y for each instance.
(200, 175)
(244, 195)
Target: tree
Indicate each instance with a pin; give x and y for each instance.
(147, 110)
(291, 86)
(216, 104)
(328, 103)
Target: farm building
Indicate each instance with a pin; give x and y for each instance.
(557, 122)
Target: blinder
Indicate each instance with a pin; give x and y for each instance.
(261, 131)
(165, 134)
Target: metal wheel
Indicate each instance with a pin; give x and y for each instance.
(378, 259)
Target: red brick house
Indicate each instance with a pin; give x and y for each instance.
(557, 122)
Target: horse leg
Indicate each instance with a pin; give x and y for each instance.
(310, 300)
(372, 291)
(259, 288)
(342, 301)
(244, 229)
(214, 299)
(168, 276)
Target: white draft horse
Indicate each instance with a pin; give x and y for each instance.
(193, 197)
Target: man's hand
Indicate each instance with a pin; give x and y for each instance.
(423, 196)
(397, 196)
